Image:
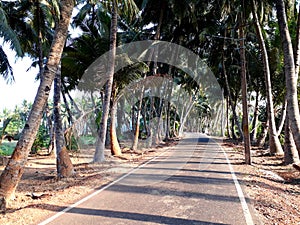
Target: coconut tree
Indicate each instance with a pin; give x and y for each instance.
(275, 146)
(63, 162)
(12, 173)
(33, 21)
(130, 8)
(290, 74)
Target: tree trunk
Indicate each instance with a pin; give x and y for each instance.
(275, 146)
(253, 133)
(73, 103)
(168, 106)
(283, 117)
(168, 124)
(12, 173)
(290, 74)
(297, 46)
(120, 116)
(40, 38)
(70, 117)
(63, 163)
(100, 144)
(244, 95)
(232, 105)
(51, 144)
(290, 151)
(136, 129)
(114, 143)
(184, 116)
(160, 114)
(146, 128)
(262, 137)
(227, 118)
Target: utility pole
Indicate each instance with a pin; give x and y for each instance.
(244, 93)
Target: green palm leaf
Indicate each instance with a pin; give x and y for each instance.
(8, 34)
(5, 68)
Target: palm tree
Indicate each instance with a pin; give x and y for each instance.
(33, 21)
(130, 7)
(100, 144)
(275, 146)
(12, 173)
(122, 79)
(290, 75)
(63, 162)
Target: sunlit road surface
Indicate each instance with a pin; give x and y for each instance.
(192, 183)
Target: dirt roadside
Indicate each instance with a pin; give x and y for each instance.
(273, 188)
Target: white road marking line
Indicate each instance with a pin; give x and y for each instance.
(52, 218)
(246, 211)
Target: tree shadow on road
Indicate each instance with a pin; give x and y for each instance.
(128, 216)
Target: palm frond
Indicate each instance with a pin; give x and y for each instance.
(8, 34)
(5, 68)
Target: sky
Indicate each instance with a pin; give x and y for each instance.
(24, 87)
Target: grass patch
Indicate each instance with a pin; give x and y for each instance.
(7, 148)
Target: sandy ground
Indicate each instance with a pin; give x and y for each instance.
(273, 188)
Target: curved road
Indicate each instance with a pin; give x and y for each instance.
(192, 183)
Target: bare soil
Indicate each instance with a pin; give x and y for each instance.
(272, 187)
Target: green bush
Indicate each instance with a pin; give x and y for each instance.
(41, 141)
(7, 148)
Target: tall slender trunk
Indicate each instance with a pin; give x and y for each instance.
(282, 118)
(12, 173)
(120, 116)
(168, 124)
(40, 37)
(253, 133)
(244, 94)
(290, 151)
(137, 124)
(185, 115)
(160, 113)
(291, 155)
(100, 143)
(63, 163)
(70, 117)
(275, 146)
(151, 122)
(290, 73)
(232, 105)
(227, 117)
(297, 46)
(50, 130)
(168, 105)
(114, 143)
(73, 103)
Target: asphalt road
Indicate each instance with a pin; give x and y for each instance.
(191, 184)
